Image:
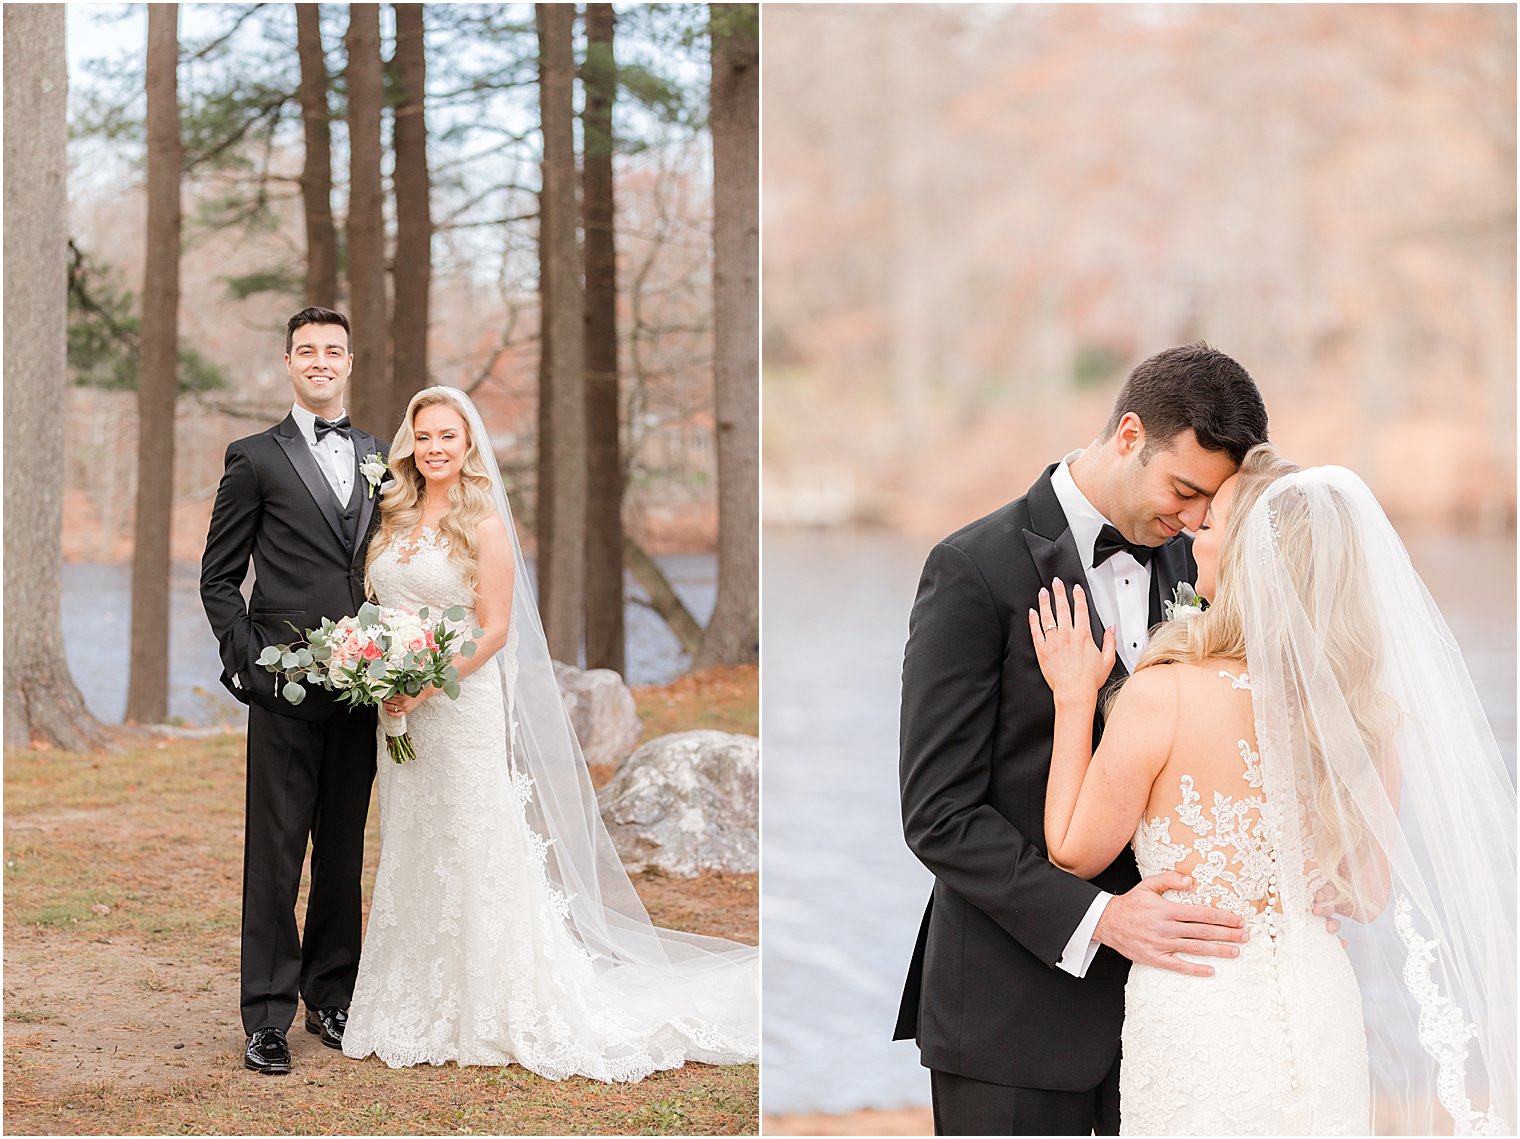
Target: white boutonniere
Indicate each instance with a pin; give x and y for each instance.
(1185, 602)
(374, 469)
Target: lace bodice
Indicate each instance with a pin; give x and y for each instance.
(1223, 843)
(416, 573)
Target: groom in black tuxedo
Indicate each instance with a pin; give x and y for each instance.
(294, 500)
(1015, 994)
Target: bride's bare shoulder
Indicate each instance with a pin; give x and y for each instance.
(1160, 687)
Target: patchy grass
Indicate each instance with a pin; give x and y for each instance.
(123, 881)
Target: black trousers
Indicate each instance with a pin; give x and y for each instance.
(305, 780)
(964, 1106)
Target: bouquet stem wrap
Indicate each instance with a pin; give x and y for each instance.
(398, 744)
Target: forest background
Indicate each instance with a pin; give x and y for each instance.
(423, 226)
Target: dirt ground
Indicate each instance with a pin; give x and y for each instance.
(122, 898)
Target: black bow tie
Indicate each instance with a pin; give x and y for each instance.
(1110, 542)
(341, 425)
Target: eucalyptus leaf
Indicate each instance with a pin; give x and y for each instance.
(423, 613)
(376, 669)
(454, 613)
(295, 676)
(468, 649)
(289, 661)
(270, 655)
(478, 633)
(294, 693)
(451, 689)
(369, 614)
(304, 658)
(414, 686)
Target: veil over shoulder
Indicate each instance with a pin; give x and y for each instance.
(1388, 796)
(706, 986)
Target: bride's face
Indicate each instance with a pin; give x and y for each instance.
(440, 440)
(1206, 538)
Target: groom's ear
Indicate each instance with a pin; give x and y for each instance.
(1129, 437)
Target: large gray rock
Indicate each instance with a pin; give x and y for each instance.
(602, 710)
(686, 803)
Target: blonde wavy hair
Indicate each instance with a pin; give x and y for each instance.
(1335, 602)
(470, 499)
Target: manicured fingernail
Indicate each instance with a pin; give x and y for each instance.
(1057, 581)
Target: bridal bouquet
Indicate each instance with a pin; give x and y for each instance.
(374, 655)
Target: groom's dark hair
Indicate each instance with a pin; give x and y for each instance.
(315, 315)
(1194, 386)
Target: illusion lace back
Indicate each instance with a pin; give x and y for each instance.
(468, 956)
(1273, 1043)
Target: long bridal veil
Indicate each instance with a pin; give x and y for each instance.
(705, 987)
(1388, 797)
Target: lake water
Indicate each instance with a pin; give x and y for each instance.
(842, 895)
(97, 618)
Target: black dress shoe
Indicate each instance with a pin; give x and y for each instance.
(328, 1023)
(268, 1052)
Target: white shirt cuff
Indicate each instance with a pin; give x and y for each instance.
(1081, 949)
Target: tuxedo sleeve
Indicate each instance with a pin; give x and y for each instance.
(952, 673)
(224, 566)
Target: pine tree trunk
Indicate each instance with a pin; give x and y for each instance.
(316, 176)
(543, 508)
(42, 703)
(148, 684)
(604, 467)
(733, 635)
(563, 318)
(369, 389)
(414, 225)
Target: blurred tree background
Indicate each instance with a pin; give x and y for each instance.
(977, 220)
(967, 249)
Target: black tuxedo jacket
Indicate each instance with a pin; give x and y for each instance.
(983, 996)
(275, 506)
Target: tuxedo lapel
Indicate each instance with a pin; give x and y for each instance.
(1055, 555)
(364, 446)
(299, 453)
(1168, 567)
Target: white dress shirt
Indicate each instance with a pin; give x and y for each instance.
(334, 453)
(1121, 591)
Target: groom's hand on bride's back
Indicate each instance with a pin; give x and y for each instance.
(1152, 930)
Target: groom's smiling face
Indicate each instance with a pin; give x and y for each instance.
(319, 364)
(1169, 489)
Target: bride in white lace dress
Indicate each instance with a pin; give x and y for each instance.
(1309, 746)
(502, 927)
